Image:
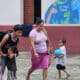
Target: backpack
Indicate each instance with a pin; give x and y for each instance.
(2, 34)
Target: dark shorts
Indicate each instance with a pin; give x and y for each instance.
(11, 64)
(60, 67)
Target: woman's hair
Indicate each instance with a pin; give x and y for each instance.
(18, 28)
(38, 20)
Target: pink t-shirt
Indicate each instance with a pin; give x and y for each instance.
(40, 40)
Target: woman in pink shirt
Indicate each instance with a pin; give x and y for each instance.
(40, 57)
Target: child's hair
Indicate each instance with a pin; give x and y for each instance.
(63, 41)
(18, 28)
(38, 20)
(13, 49)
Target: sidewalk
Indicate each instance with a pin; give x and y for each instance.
(23, 63)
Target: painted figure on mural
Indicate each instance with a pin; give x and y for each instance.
(63, 12)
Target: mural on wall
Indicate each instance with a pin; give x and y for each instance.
(63, 12)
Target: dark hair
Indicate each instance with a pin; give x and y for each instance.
(63, 41)
(18, 28)
(14, 49)
(38, 20)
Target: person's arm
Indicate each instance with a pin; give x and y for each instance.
(50, 47)
(5, 38)
(48, 42)
(32, 39)
(17, 51)
(52, 11)
(59, 56)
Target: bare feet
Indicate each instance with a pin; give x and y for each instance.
(59, 79)
(27, 78)
(68, 76)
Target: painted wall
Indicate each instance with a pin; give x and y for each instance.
(71, 34)
(61, 11)
(11, 12)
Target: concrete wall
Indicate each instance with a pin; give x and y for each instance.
(71, 34)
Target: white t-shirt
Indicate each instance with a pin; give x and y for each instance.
(62, 60)
(40, 40)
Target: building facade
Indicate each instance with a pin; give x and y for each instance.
(22, 12)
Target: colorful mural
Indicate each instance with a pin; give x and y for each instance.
(63, 12)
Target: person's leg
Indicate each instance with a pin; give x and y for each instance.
(44, 74)
(28, 74)
(0, 72)
(67, 74)
(15, 77)
(3, 64)
(58, 67)
(12, 68)
(9, 75)
(59, 74)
